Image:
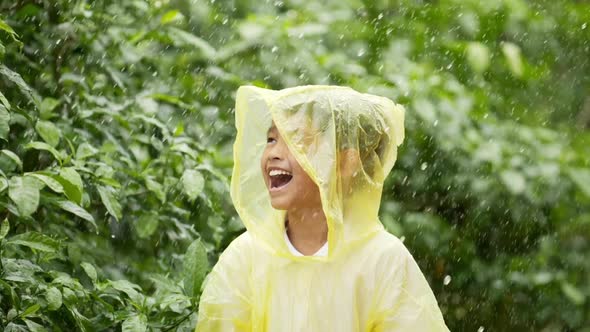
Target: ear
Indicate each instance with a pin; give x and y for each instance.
(349, 162)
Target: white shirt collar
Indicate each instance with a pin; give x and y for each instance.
(323, 251)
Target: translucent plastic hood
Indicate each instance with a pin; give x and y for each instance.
(347, 143)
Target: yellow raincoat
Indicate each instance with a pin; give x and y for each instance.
(368, 281)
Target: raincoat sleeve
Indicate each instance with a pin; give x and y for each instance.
(405, 302)
(225, 304)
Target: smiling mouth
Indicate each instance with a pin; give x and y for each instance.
(279, 179)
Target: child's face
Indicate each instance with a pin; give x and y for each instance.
(288, 184)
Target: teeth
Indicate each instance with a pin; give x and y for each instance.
(278, 172)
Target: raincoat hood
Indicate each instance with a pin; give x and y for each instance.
(345, 141)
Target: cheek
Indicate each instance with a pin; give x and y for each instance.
(304, 182)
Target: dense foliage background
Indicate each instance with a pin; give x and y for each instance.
(116, 127)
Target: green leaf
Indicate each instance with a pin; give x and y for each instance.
(77, 210)
(153, 121)
(136, 323)
(513, 57)
(184, 38)
(146, 225)
(478, 56)
(72, 183)
(34, 327)
(307, 29)
(19, 82)
(66, 280)
(251, 31)
(7, 28)
(30, 310)
(14, 327)
(573, 293)
(110, 182)
(47, 106)
(193, 183)
(581, 177)
(4, 101)
(4, 228)
(514, 181)
(128, 288)
(156, 188)
(195, 268)
(184, 148)
(170, 16)
(148, 105)
(175, 302)
(54, 298)
(49, 132)
(108, 198)
(84, 324)
(4, 123)
(85, 150)
(3, 183)
(45, 147)
(13, 157)
(90, 271)
(165, 284)
(35, 240)
(48, 180)
(24, 192)
(172, 100)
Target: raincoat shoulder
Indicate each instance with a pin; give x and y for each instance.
(225, 304)
(405, 301)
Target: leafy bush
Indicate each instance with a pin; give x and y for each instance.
(116, 127)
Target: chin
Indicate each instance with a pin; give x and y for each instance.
(279, 204)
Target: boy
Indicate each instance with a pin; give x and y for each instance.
(315, 256)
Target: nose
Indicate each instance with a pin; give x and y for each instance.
(276, 151)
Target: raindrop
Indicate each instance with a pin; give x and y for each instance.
(361, 52)
(584, 26)
(480, 329)
(447, 280)
(424, 166)
(435, 123)
(274, 49)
